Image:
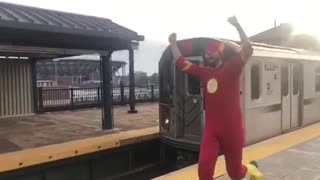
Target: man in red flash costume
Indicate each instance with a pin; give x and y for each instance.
(224, 126)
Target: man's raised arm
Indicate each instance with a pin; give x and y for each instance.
(184, 65)
(174, 46)
(246, 47)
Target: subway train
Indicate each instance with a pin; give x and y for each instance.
(279, 92)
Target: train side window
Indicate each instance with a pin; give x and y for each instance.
(255, 81)
(285, 80)
(318, 79)
(193, 83)
(295, 77)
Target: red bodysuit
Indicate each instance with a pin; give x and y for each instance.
(223, 125)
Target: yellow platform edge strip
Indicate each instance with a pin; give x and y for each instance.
(257, 151)
(35, 156)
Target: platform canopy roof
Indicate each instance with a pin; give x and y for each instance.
(29, 31)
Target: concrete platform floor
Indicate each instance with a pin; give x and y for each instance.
(301, 162)
(17, 133)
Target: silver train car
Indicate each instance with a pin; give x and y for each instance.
(280, 92)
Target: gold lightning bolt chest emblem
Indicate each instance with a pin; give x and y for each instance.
(212, 85)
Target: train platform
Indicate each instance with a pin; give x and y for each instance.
(25, 132)
(86, 138)
(292, 156)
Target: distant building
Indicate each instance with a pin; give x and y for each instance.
(76, 70)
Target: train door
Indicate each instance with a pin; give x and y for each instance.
(192, 105)
(291, 92)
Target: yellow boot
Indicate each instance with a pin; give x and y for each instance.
(253, 172)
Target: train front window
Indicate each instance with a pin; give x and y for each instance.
(193, 83)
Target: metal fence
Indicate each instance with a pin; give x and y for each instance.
(74, 98)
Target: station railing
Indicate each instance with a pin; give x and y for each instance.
(55, 99)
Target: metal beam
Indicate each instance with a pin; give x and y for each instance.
(34, 86)
(106, 88)
(132, 98)
(38, 52)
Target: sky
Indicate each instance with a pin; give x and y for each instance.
(188, 18)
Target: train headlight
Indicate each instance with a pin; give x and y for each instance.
(164, 117)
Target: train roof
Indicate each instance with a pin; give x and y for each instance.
(260, 50)
(282, 52)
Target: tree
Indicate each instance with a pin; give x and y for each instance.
(141, 78)
(154, 78)
(304, 41)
